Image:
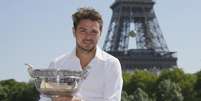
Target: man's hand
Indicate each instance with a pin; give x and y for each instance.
(66, 98)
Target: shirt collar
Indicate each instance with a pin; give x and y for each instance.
(99, 53)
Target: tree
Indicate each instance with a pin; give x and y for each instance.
(140, 95)
(168, 91)
(11, 90)
(126, 97)
(197, 87)
(185, 81)
(187, 87)
(3, 93)
(173, 74)
(140, 79)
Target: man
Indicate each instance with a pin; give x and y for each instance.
(104, 81)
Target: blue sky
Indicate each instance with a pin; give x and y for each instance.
(37, 31)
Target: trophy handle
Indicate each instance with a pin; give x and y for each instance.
(29, 69)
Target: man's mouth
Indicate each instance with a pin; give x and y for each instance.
(88, 41)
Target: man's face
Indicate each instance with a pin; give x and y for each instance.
(87, 35)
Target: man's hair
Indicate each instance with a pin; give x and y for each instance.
(87, 13)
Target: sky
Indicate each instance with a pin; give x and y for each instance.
(37, 31)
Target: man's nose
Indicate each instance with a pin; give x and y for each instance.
(89, 37)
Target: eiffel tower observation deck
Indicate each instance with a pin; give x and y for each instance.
(135, 38)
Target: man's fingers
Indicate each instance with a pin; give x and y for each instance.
(63, 98)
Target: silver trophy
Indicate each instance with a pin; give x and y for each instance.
(55, 82)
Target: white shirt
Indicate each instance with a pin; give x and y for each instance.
(104, 81)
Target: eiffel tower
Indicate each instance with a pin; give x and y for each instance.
(136, 20)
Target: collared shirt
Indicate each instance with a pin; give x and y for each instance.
(104, 81)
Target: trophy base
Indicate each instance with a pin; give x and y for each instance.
(56, 92)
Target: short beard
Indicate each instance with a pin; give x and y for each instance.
(85, 50)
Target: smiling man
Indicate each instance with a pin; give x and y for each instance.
(104, 81)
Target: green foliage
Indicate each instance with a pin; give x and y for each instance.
(127, 79)
(139, 79)
(126, 97)
(140, 95)
(10, 90)
(168, 91)
(197, 86)
(185, 81)
(173, 74)
(132, 34)
(170, 85)
(187, 86)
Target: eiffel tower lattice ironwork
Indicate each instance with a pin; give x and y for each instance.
(137, 19)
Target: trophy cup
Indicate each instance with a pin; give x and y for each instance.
(55, 82)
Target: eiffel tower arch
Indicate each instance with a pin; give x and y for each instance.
(136, 19)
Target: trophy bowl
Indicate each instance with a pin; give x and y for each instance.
(56, 82)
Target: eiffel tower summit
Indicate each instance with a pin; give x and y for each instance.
(135, 38)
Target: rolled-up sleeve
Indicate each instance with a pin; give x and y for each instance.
(113, 82)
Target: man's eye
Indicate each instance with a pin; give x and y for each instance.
(94, 32)
(82, 30)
